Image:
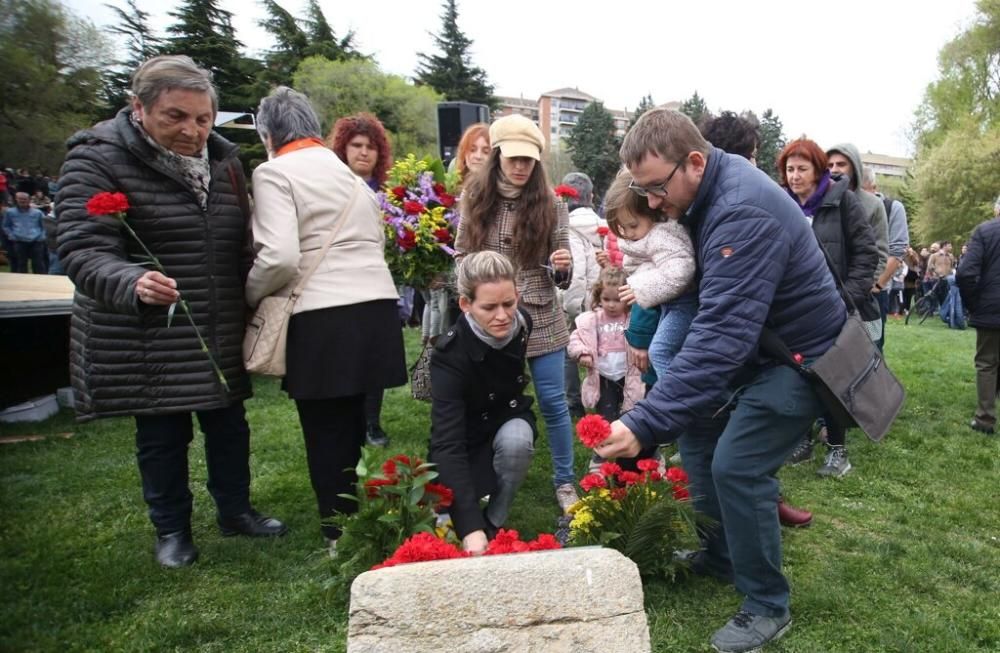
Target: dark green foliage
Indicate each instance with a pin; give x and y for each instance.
(695, 108)
(645, 104)
(290, 43)
(594, 146)
(138, 43)
(772, 141)
(322, 40)
(450, 71)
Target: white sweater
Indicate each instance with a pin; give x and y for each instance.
(660, 265)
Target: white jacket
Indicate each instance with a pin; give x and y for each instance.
(584, 243)
(660, 265)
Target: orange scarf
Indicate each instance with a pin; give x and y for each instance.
(299, 144)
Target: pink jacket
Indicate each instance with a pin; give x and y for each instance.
(584, 341)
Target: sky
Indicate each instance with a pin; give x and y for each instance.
(853, 70)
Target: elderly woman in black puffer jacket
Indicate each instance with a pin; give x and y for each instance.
(187, 197)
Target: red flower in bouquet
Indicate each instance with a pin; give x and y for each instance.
(677, 475)
(593, 430)
(591, 481)
(444, 494)
(647, 465)
(413, 207)
(372, 485)
(408, 240)
(565, 190)
(438, 188)
(399, 192)
(629, 478)
(443, 235)
(681, 493)
(422, 547)
(447, 201)
(389, 468)
(115, 204)
(403, 459)
(610, 469)
(618, 493)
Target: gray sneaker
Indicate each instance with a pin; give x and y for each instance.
(747, 632)
(802, 452)
(566, 496)
(836, 463)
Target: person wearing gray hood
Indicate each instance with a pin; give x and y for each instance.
(584, 243)
(845, 159)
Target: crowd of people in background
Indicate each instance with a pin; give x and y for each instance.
(656, 292)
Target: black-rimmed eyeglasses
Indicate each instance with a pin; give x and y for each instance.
(660, 190)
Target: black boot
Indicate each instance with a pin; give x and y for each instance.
(376, 437)
(251, 524)
(175, 550)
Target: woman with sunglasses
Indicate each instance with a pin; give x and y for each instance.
(509, 208)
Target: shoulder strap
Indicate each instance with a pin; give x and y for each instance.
(329, 241)
(239, 183)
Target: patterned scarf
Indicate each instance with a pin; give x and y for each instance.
(194, 169)
(506, 188)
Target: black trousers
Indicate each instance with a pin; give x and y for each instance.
(609, 406)
(334, 432)
(373, 407)
(162, 452)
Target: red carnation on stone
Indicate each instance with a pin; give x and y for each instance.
(593, 430)
(544, 542)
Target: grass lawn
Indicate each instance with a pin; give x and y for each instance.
(903, 554)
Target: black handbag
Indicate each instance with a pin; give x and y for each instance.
(852, 378)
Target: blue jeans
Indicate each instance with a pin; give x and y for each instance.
(513, 447)
(732, 465)
(548, 374)
(675, 322)
(55, 265)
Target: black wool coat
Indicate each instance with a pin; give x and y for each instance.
(475, 390)
(124, 359)
(978, 276)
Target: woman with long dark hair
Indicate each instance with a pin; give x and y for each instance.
(509, 208)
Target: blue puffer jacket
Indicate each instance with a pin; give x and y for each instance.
(758, 264)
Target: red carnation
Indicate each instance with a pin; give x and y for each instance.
(610, 469)
(629, 478)
(444, 494)
(399, 192)
(647, 465)
(681, 493)
(389, 468)
(655, 476)
(591, 481)
(401, 458)
(443, 235)
(593, 430)
(506, 541)
(618, 493)
(421, 548)
(407, 241)
(544, 542)
(564, 191)
(602, 231)
(413, 207)
(438, 188)
(447, 201)
(108, 204)
(677, 475)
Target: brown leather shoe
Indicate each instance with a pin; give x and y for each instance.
(791, 516)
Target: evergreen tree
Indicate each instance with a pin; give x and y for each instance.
(645, 104)
(451, 72)
(322, 40)
(695, 108)
(772, 140)
(594, 146)
(140, 43)
(204, 31)
(290, 44)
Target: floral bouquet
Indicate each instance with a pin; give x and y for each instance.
(418, 205)
(395, 502)
(645, 515)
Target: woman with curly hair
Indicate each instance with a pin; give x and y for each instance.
(361, 143)
(508, 207)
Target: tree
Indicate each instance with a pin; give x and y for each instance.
(291, 42)
(645, 104)
(204, 31)
(140, 43)
(772, 141)
(451, 72)
(957, 131)
(52, 83)
(322, 40)
(695, 108)
(340, 88)
(594, 146)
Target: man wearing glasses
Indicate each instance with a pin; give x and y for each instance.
(735, 414)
